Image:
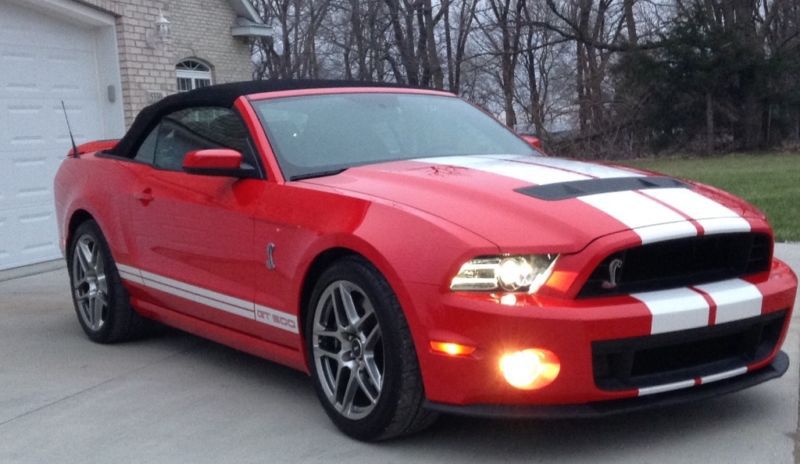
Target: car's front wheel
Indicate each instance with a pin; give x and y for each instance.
(101, 302)
(361, 355)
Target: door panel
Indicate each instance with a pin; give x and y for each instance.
(194, 233)
(194, 238)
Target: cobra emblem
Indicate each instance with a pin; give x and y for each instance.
(613, 274)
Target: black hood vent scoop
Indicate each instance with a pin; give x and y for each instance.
(579, 188)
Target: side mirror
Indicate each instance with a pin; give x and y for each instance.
(216, 162)
(535, 142)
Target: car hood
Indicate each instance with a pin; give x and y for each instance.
(544, 204)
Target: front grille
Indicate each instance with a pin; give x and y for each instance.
(665, 358)
(678, 263)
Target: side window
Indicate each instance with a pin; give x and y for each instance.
(197, 129)
(147, 149)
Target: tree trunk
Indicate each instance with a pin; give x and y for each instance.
(709, 123)
(434, 65)
(630, 22)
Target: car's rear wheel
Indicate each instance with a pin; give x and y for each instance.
(361, 355)
(101, 302)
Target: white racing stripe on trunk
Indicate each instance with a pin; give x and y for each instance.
(701, 208)
(227, 303)
(735, 299)
(666, 387)
(588, 169)
(539, 175)
(675, 309)
(640, 213)
(723, 375)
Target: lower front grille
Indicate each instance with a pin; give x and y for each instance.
(672, 357)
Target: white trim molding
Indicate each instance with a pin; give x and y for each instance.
(243, 27)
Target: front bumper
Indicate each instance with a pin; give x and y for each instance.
(778, 367)
(569, 328)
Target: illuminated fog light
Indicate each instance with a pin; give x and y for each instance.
(530, 369)
(509, 299)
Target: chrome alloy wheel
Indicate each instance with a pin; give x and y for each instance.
(348, 349)
(89, 283)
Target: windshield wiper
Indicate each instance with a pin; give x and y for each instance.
(312, 175)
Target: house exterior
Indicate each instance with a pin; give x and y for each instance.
(106, 60)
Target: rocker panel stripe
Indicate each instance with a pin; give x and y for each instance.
(220, 301)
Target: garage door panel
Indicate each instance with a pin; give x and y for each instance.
(44, 60)
(29, 235)
(25, 26)
(28, 176)
(61, 78)
(24, 122)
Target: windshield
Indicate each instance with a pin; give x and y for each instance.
(323, 134)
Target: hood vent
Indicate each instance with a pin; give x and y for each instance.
(579, 188)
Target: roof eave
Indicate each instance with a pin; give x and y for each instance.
(245, 9)
(251, 30)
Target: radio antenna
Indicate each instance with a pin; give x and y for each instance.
(69, 129)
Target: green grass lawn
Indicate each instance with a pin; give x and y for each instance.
(769, 181)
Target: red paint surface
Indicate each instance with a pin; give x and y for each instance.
(415, 222)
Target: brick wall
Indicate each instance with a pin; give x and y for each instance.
(200, 29)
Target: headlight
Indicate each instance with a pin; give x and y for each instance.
(513, 273)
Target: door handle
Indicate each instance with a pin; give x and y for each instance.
(145, 196)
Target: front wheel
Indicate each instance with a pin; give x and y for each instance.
(361, 355)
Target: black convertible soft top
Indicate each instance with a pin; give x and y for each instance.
(222, 95)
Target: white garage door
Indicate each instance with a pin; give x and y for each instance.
(44, 59)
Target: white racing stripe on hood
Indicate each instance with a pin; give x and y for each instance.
(642, 211)
(641, 214)
(701, 208)
(725, 225)
(588, 169)
(539, 175)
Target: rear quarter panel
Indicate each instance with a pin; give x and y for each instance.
(98, 186)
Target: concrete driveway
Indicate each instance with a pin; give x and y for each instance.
(178, 398)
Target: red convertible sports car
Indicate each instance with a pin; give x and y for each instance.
(414, 256)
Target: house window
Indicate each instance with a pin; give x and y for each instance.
(192, 74)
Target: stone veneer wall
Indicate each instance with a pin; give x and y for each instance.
(200, 29)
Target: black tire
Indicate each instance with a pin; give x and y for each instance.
(398, 409)
(120, 322)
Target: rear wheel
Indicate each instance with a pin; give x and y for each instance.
(101, 302)
(361, 354)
